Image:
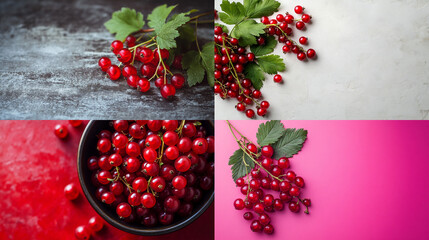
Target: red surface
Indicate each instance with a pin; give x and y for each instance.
(35, 166)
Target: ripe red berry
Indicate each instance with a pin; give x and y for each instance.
(123, 210)
(143, 85)
(267, 151)
(280, 17)
(179, 182)
(277, 78)
(265, 20)
(301, 56)
(299, 182)
(104, 63)
(303, 40)
(61, 131)
(71, 191)
(269, 229)
(311, 53)
(95, 223)
(256, 226)
(148, 200)
(116, 46)
(114, 72)
(306, 18)
(168, 91)
(177, 80)
(300, 25)
(124, 55)
(248, 215)
(293, 206)
(82, 233)
(239, 204)
(298, 9)
(250, 113)
(265, 104)
(182, 164)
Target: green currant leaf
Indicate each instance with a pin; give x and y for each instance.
(169, 31)
(125, 22)
(254, 72)
(260, 8)
(195, 71)
(247, 31)
(207, 57)
(158, 16)
(224, 28)
(269, 132)
(290, 143)
(241, 164)
(271, 64)
(269, 46)
(233, 12)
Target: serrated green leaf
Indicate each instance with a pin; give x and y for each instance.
(290, 143)
(259, 8)
(269, 132)
(195, 71)
(168, 32)
(241, 164)
(224, 28)
(158, 16)
(247, 31)
(124, 22)
(267, 48)
(254, 72)
(271, 64)
(233, 12)
(207, 57)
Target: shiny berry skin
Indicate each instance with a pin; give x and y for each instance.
(269, 229)
(211, 144)
(285, 49)
(261, 41)
(301, 56)
(114, 72)
(239, 204)
(306, 18)
(132, 164)
(168, 91)
(280, 17)
(276, 171)
(299, 182)
(275, 185)
(117, 188)
(124, 55)
(145, 55)
(234, 41)
(294, 191)
(116, 46)
(170, 138)
(104, 63)
(252, 148)
(104, 176)
(165, 218)
(285, 186)
(283, 163)
(265, 20)
(115, 160)
(199, 146)
(250, 57)
(285, 197)
(148, 70)
(290, 175)
(150, 154)
(189, 130)
(255, 184)
(171, 204)
(95, 224)
(240, 107)
(250, 113)
(71, 191)
(108, 198)
(82, 232)
(303, 40)
(143, 85)
(306, 202)
(265, 104)
(264, 219)
(240, 182)
(133, 149)
(177, 80)
(148, 200)
(61, 131)
(172, 152)
(277, 78)
(298, 9)
(259, 208)
(256, 94)
(294, 207)
(128, 70)
(153, 141)
(267, 151)
(278, 204)
(93, 163)
(267, 163)
(151, 169)
(184, 145)
(182, 164)
(157, 184)
(123, 210)
(256, 226)
(311, 53)
(179, 182)
(248, 215)
(268, 200)
(300, 25)
(134, 199)
(265, 183)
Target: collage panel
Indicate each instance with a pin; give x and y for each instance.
(60, 60)
(321, 179)
(144, 179)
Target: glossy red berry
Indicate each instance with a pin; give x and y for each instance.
(124, 55)
(269, 229)
(283, 163)
(290, 175)
(61, 131)
(265, 104)
(298, 9)
(82, 232)
(71, 191)
(300, 25)
(182, 164)
(199, 146)
(239, 204)
(108, 198)
(256, 226)
(311, 53)
(293, 206)
(123, 210)
(157, 184)
(264, 219)
(116, 46)
(294, 191)
(267, 151)
(303, 40)
(95, 224)
(114, 72)
(306, 18)
(306, 202)
(299, 182)
(179, 182)
(250, 113)
(177, 80)
(148, 200)
(248, 215)
(143, 85)
(104, 63)
(168, 91)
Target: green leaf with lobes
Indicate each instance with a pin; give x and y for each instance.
(290, 143)
(125, 22)
(207, 57)
(241, 164)
(260, 8)
(271, 64)
(191, 61)
(233, 12)
(254, 72)
(269, 132)
(267, 48)
(247, 31)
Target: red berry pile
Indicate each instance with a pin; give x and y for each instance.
(83, 232)
(273, 176)
(153, 66)
(282, 27)
(151, 171)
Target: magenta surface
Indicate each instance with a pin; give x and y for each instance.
(366, 180)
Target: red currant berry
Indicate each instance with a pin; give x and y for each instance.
(311, 53)
(269, 229)
(300, 25)
(298, 9)
(259, 208)
(148, 200)
(239, 204)
(294, 207)
(71, 191)
(280, 17)
(301, 56)
(294, 191)
(123, 210)
(261, 41)
(240, 182)
(299, 182)
(114, 72)
(250, 113)
(104, 176)
(95, 224)
(248, 215)
(285, 186)
(306, 202)
(256, 226)
(265, 20)
(283, 163)
(116, 46)
(61, 131)
(264, 219)
(303, 40)
(134, 199)
(108, 198)
(143, 85)
(265, 104)
(140, 184)
(104, 63)
(168, 91)
(182, 164)
(82, 232)
(267, 151)
(199, 146)
(290, 175)
(306, 18)
(268, 200)
(177, 80)
(277, 78)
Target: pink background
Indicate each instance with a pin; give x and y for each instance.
(366, 180)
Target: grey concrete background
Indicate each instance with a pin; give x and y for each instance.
(49, 53)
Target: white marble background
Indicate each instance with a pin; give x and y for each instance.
(372, 64)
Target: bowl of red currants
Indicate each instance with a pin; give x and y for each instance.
(148, 177)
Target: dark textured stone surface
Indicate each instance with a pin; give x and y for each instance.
(48, 64)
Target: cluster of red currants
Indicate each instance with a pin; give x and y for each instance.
(280, 27)
(153, 171)
(230, 60)
(269, 174)
(153, 66)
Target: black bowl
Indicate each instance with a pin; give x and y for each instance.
(87, 148)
